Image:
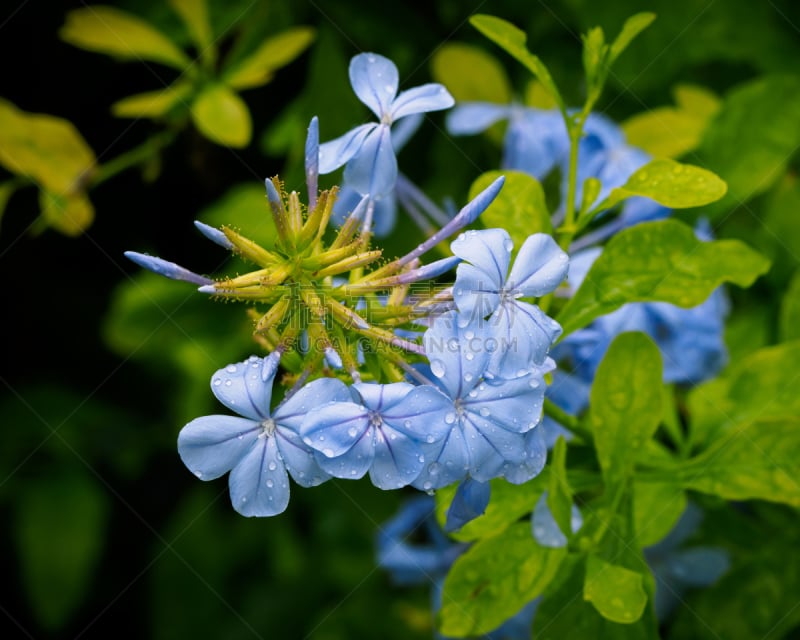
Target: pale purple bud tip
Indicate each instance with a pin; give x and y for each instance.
(210, 289)
(429, 271)
(166, 268)
(215, 235)
(312, 161)
(478, 204)
(273, 196)
(270, 365)
(333, 358)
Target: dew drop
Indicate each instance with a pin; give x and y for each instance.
(437, 367)
(469, 335)
(484, 411)
(352, 432)
(534, 383)
(407, 424)
(328, 453)
(508, 245)
(199, 474)
(429, 439)
(231, 368)
(270, 483)
(469, 355)
(434, 468)
(427, 486)
(450, 418)
(217, 382)
(272, 466)
(467, 377)
(228, 382)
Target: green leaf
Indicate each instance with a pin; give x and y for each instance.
(470, 74)
(494, 579)
(152, 104)
(519, 208)
(59, 531)
(760, 387)
(69, 214)
(675, 185)
(752, 138)
(512, 41)
(222, 116)
(633, 27)
(756, 460)
(659, 261)
(625, 402)
(789, 325)
(595, 50)
(559, 493)
(120, 34)
(591, 189)
(670, 132)
(7, 190)
(46, 149)
(508, 504)
(616, 592)
(194, 14)
(257, 68)
(656, 508)
(564, 614)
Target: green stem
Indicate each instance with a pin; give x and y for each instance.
(566, 232)
(131, 158)
(569, 421)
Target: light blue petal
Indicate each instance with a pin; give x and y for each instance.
(240, 388)
(337, 152)
(215, 235)
(469, 118)
(698, 566)
(213, 445)
(167, 269)
(354, 463)
(422, 415)
(489, 446)
(489, 250)
(299, 458)
(540, 266)
(469, 502)
(535, 142)
(446, 462)
(514, 404)
(312, 161)
(333, 429)
(346, 202)
(535, 458)
(373, 170)
(259, 485)
(457, 354)
(316, 393)
(544, 526)
(524, 334)
(427, 97)
(398, 459)
(475, 295)
(384, 215)
(374, 81)
(379, 397)
(403, 130)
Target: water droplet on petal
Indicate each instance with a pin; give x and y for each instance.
(508, 245)
(469, 355)
(217, 382)
(437, 367)
(328, 453)
(228, 382)
(534, 383)
(450, 418)
(467, 377)
(271, 466)
(352, 432)
(484, 411)
(270, 483)
(231, 368)
(429, 439)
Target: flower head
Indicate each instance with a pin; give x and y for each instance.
(259, 447)
(367, 151)
(484, 287)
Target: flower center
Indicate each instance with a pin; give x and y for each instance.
(375, 419)
(267, 428)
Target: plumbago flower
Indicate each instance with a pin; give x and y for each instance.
(367, 151)
(259, 447)
(484, 287)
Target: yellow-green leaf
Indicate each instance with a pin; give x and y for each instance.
(633, 27)
(221, 116)
(70, 214)
(6, 191)
(656, 508)
(470, 74)
(194, 14)
(152, 104)
(278, 51)
(670, 132)
(120, 34)
(675, 185)
(616, 592)
(44, 148)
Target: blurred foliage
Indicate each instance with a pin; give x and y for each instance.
(107, 531)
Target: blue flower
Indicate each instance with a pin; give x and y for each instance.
(544, 527)
(491, 421)
(381, 430)
(367, 150)
(483, 287)
(260, 447)
(469, 502)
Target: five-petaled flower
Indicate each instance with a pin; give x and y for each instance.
(260, 446)
(367, 150)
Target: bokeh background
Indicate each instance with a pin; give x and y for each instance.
(104, 531)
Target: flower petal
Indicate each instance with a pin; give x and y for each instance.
(427, 97)
(535, 458)
(213, 445)
(475, 294)
(373, 169)
(488, 250)
(355, 462)
(379, 397)
(300, 459)
(316, 393)
(259, 485)
(469, 118)
(490, 446)
(403, 130)
(539, 268)
(422, 414)
(398, 459)
(535, 142)
(524, 334)
(470, 501)
(515, 404)
(544, 527)
(374, 81)
(333, 429)
(445, 462)
(336, 152)
(240, 388)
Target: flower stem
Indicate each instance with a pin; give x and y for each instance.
(131, 158)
